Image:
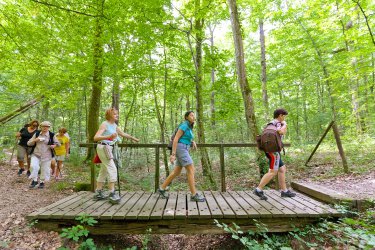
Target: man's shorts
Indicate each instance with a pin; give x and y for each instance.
(275, 161)
(183, 157)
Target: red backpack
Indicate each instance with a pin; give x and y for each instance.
(270, 140)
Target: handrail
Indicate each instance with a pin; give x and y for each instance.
(157, 147)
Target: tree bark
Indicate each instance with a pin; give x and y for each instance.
(264, 69)
(241, 71)
(94, 106)
(212, 103)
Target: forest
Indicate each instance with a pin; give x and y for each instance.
(232, 62)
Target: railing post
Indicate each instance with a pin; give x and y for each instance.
(92, 177)
(222, 168)
(157, 167)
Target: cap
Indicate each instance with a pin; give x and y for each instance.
(45, 124)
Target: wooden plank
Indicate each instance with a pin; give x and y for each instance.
(237, 208)
(213, 206)
(79, 210)
(224, 207)
(323, 206)
(170, 208)
(263, 212)
(148, 207)
(181, 208)
(268, 205)
(276, 202)
(300, 209)
(48, 213)
(136, 209)
(250, 210)
(204, 210)
(319, 210)
(192, 208)
(41, 210)
(72, 210)
(108, 214)
(157, 212)
(320, 192)
(121, 213)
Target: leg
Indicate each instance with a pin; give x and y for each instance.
(21, 151)
(190, 170)
(34, 164)
(45, 172)
(176, 172)
(53, 167)
(267, 178)
(281, 176)
(58, 169)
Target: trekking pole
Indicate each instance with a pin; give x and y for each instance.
(14, 148)
(116, 159)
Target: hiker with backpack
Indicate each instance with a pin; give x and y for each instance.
(181, 143)
(271, 143)
(43, 143)
(107, 136)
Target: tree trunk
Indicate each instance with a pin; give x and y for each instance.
(197, 59)
(94, 106)
(212, 103)
(252, 128)
(241, 71)
(264, 69)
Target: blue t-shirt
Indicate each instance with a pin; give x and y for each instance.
(188, 135)
(110, 129)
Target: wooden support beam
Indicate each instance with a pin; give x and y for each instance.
(320, 141)
(339, 146)
(20, 110)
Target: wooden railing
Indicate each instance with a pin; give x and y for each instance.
(157, 147)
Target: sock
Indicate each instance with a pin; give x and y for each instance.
(259, 190)
(286, 190)
(112, 191)
(162, 189)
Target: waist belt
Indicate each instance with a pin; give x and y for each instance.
(103, 143)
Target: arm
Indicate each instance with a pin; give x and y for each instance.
(125, 135)
(32, 141)
(179, 133)
(55, 143)
(282, 130)
(67, 146)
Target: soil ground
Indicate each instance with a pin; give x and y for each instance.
(17, 200)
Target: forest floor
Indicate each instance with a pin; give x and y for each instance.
(17, 200)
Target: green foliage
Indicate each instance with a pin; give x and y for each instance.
(258, 239)
(78, 232)
(358, 232)
(32, 223)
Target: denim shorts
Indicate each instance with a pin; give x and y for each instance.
(183, 157)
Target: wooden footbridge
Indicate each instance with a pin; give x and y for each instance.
(139, 211)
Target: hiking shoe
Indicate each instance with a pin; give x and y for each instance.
(197, 197)
(28, 173)
(100, 195)
(260, 194)
(114, 198)
(33, 184)
(288, 193)
(20, 171)
(41, 185)
(163, 193)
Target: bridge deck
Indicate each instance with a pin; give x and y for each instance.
(140, 210)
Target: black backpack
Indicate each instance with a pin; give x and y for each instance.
(170, 144)
(50, 142)
(270, 139)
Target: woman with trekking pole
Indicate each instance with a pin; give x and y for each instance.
(107, 136)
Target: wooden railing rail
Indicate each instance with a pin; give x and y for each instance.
(157, 147)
